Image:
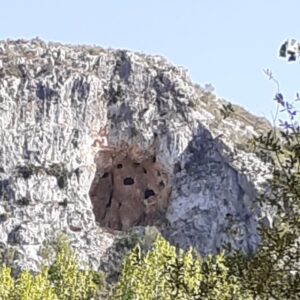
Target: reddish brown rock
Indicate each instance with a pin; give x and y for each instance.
(130, 188)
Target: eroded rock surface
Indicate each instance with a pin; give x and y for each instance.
(78, 126)
(130, 188)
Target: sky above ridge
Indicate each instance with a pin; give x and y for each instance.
(227, 43)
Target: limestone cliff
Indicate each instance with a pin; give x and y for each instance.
(95, 138)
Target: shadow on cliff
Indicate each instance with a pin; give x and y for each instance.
(211, 204)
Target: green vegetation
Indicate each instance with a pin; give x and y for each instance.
(162, 273)
(272, 272)
(156, 270)
(226, 110)
(63, 280)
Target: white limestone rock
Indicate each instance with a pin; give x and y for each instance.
(55, 100)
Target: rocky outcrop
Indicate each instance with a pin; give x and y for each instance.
(94, 138)
(129, 188)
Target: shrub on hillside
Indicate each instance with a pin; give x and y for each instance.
(63, 280)
(164, 273)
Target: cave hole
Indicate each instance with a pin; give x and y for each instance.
(61, 182)
(128, 181)
(177, 167)
(105, 175)
(119, 166)
(148, 193)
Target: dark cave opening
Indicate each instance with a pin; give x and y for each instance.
(128, 181)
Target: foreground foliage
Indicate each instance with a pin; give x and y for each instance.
(272, 272)
(63, 280)
(162, 273)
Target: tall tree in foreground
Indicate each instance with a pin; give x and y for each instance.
(164, 273)
(273, 272)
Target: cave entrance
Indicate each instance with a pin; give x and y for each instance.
(130, 188)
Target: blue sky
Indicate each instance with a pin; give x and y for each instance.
(227, 43)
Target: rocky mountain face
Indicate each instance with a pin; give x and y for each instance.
(95, 142)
